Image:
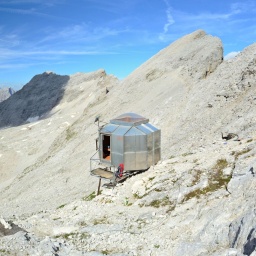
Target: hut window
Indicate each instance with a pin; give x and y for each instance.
(106, 147)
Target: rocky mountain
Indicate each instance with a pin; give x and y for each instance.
(5, 93)
(198, 200)
(43, 93)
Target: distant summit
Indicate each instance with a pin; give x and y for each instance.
(45, 91)
(5, 93)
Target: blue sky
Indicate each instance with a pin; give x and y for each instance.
(67, 36)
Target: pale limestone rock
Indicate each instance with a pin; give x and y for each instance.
(138, 188)
(227, 171)
(5, 224)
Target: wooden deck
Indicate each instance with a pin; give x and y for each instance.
(102, 173)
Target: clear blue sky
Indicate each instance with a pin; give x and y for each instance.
(69, 36)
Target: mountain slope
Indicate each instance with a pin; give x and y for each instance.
(176, 207)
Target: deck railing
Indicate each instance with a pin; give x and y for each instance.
(94, 161)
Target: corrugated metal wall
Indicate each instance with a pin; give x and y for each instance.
(138, 147)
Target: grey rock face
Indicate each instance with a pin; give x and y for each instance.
(5, 93)
(242, 233)
(39, 97)
(36, 98)
(8, 228)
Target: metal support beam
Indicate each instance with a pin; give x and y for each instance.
(99, 187)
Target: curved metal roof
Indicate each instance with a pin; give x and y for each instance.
(130, 119)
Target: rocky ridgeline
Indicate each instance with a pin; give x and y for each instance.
(198, 200)
(43, 93)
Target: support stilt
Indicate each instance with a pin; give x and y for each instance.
(99, 187)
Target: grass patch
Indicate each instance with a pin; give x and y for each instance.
(187, 154)
(107, 252)
(126, 202)
(89, 197)
(84, 235)
(83, 223)
(136, 196)
(196, 193)
(69, 235)
(103, 220)
(160, 202)
(170, 208)
(239, 153)
(61, 206)
(141, 223)
(196, 176)
(220, 165)
(73, 235)
(216, 180)
(151, 178)
(153, 74)
(106, 201)
(5, 252)
(70, 133)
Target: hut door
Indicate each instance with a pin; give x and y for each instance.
(106, 152)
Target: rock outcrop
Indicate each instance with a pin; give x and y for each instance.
(5, 93)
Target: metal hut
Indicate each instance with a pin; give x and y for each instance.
(129, 139)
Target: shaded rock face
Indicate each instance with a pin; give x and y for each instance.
(8, 228)
(242, 233)
(5, 93)
(250, 245)
(35, 99)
